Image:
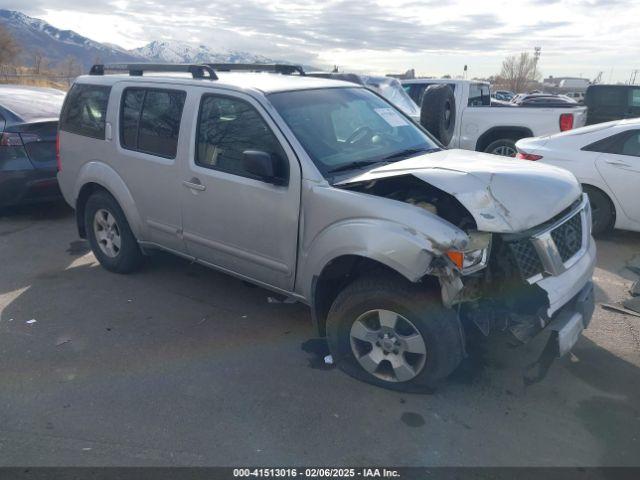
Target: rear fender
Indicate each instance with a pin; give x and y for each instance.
(103, 175)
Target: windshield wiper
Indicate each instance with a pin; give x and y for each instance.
(409, 152)
(353, 165)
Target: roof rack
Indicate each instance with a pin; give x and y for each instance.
(282, 68)
(137, 69)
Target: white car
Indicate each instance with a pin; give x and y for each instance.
(605, 158)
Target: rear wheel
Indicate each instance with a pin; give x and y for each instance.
(504, 147)
(603, 212)
(109, 234)
(388, 332)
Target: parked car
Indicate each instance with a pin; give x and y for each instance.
(503, 95)
(545, 100)
(28, 125)
(577, 96)
(612, 102)
(459, 113)
(326, 193)
(606, 160)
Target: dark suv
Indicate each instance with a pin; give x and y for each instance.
(612, 102)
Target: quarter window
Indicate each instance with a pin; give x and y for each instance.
(150, 120)
(227, 127)
(631, 145)
(85, 110)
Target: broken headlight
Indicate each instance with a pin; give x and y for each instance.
(475, 256)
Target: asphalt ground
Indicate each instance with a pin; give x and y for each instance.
(181, 365)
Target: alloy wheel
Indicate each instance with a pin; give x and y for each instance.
(107, 233)
(388, 345)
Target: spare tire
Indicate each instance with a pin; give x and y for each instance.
(438, 112)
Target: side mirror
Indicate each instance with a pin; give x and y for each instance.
(264, 166)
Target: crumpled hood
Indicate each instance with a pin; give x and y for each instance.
(502, 194)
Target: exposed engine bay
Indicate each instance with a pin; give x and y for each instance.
(496, 297)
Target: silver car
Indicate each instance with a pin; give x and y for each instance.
(324, 192)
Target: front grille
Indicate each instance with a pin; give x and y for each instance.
(526, 257)
(568, 237)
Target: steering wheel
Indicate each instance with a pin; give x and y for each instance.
(358, 134)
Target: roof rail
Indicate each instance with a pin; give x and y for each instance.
(137, 69)
(282, 68)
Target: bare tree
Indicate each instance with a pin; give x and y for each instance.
(39, 62)
(8, 47)
(71, 68)
(518, 71)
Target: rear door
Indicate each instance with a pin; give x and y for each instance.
(231, 218)
(150, 148)
(620, 168)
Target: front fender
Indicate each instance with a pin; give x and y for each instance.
(397, 246)
(105, 176)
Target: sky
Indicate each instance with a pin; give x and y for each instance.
(435, 37)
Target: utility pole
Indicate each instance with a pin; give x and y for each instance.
(536, 57)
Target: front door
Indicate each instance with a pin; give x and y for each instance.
(232, 218)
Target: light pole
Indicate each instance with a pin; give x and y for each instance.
(536, 57)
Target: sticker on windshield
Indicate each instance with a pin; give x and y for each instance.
(392, 117)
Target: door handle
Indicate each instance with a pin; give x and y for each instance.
(617, 164)
(194, 184)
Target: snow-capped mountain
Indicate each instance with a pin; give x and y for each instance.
(180, 52)
(34, 35)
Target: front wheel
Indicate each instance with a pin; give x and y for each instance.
(504, 147)
(392, 333)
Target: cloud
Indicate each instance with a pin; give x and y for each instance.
(449, 33)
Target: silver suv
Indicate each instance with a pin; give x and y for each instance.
(323, 191)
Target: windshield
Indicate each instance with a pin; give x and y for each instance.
(343, 127)
(391, 89)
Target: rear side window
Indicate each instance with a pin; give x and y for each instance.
(85, 110)
(607, 97)
(150, 120)
(625, 143)
(479, 95)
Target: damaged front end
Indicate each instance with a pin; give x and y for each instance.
(533, 280)
(521, 282)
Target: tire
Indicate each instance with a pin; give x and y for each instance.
(438, 327)
(603, 212)
(438, 112)
(505, 147)
(126, 257)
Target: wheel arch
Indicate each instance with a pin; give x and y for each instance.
(501, 132)
(340, 272)
(96, 176)
(611, 198)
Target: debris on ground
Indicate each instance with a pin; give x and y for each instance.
(632, 304)
(202, 321)
(328, 360)
(619, 309)
(283, 299)
(62, 341)
(29, 322)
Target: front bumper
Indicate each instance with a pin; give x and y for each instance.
(572, 319)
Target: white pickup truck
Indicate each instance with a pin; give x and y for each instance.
(462, 116)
